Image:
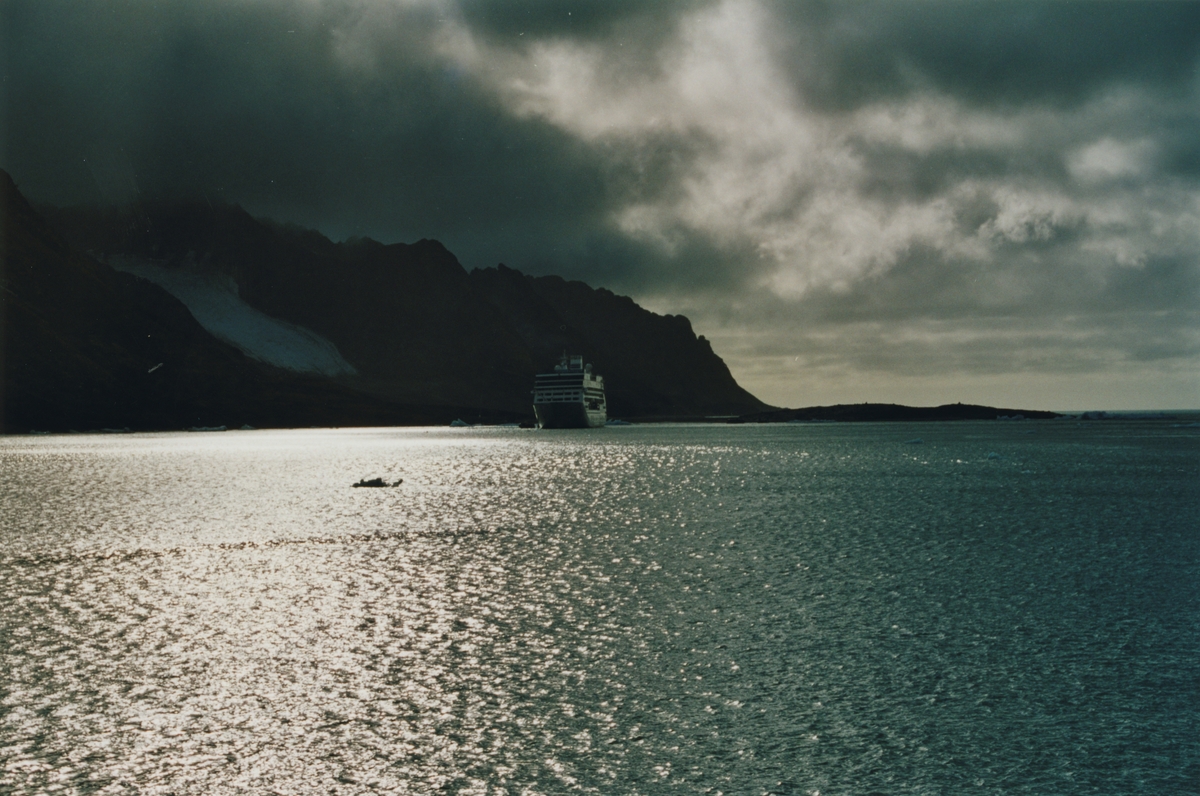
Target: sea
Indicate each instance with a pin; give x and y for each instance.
(805, 608)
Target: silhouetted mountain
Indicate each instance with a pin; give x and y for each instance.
(413, 324)
(653, 365)
(85, 347)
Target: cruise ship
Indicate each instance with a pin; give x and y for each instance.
(569, 397)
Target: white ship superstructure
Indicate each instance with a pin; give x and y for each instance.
(569, 397)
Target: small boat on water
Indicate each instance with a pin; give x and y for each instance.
(377, 482)
(570, 396)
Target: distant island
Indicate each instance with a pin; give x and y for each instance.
(195, 315)
(894, 412)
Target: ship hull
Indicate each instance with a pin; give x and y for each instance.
(568, 415)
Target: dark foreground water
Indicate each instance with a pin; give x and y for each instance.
(1007, 608)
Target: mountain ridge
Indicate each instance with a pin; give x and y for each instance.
(83, 346)
(416, 325)
(424, 336)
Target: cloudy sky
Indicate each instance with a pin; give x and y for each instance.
(911, 202)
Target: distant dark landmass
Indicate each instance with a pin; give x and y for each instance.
(179, 315)
(893, 412)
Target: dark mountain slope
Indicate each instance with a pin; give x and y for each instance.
(654, 365)
(404, 315)
(85, 347)
(415, 325)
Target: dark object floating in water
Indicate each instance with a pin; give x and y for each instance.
(378, 482)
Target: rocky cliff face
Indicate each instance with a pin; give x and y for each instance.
(415, 326)
(653, 365)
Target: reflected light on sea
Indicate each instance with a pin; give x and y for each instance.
(1004, 608)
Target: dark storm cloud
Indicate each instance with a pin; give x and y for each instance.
(582, 19)
(815, 174)
(274, 104)
(987, 52)
(337, 115)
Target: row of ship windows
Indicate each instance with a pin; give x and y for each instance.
(544, 396)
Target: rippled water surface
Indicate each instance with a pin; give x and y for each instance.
(1000, 608)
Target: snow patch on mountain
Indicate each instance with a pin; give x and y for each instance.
(213, 300)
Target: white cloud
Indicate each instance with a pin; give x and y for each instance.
(932, 122)
(1016, 205)
(1029, 216)
(769, 174)
(1108, 159)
